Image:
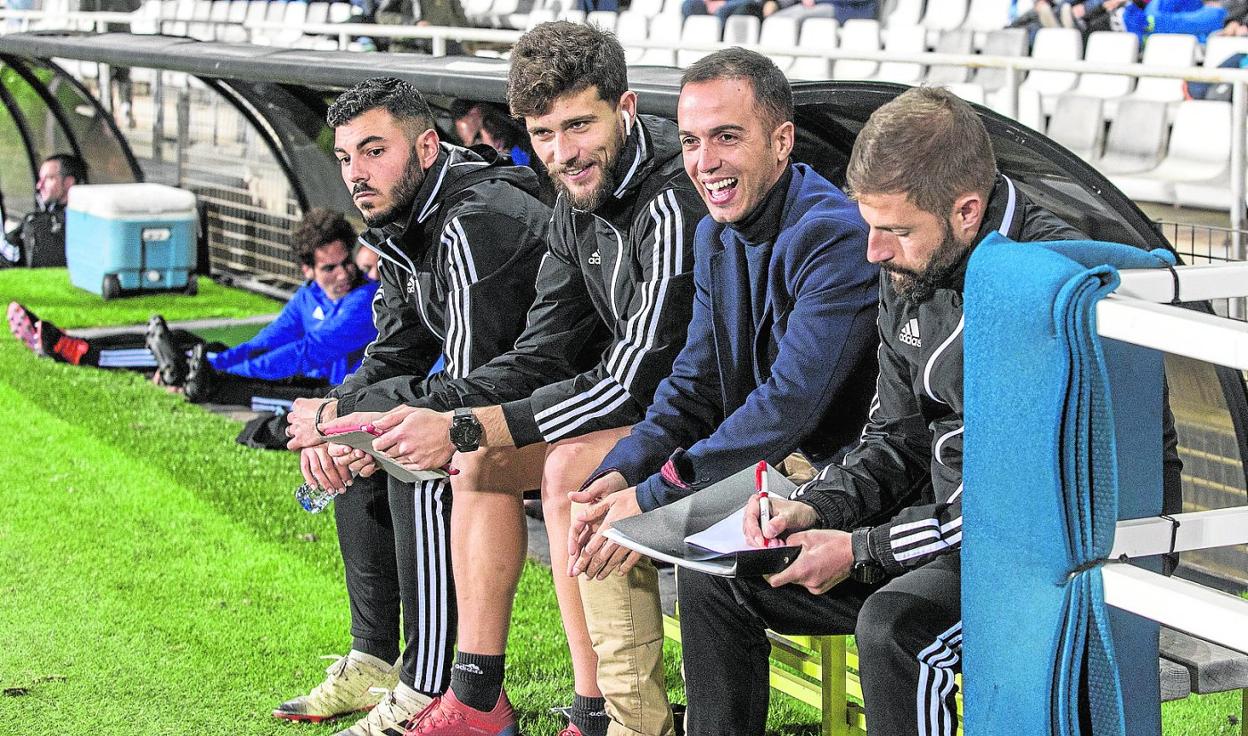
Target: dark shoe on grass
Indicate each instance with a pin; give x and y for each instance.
(200, 376)
(170, 362)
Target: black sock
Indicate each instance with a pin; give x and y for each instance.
(589, 715)
(386, 651)
(477, 679)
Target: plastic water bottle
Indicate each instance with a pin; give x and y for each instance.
(313, 499)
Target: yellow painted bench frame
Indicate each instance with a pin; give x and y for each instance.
(824, 675)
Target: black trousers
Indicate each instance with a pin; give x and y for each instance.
(129, 350)
(395, 539)
(908, 631)
(366, 539)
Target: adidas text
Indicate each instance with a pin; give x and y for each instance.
(910, 334)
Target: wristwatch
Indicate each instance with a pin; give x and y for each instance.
(866, 570)
(465, 430)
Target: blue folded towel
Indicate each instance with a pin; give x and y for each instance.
(1063, 438)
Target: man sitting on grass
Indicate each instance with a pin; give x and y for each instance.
(317, 340)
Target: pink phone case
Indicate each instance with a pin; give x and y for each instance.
(361, 428)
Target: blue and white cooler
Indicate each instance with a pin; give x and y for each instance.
(130, 237)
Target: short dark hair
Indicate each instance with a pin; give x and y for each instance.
(318, 228)
(559, 58)
(70, 165)
(772, 92)
(494, 119)
(400, 99)
(928, 144)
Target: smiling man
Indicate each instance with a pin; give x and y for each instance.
(460, 239)
(613, 307)
(781, 350)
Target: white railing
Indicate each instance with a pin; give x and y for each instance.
(1132, 314)
(1014, 66)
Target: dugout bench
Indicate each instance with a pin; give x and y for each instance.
(822, 671)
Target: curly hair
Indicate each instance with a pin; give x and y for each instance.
(318, 228)
(559, 58)
(401, 99)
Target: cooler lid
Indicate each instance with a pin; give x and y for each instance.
(120, 201)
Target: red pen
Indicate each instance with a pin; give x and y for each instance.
(764, 501)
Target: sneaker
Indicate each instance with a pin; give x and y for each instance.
(199, 376)
(446, 716)
(57, 345)
(171, 364)
(350, 686)
(22, 324)
(389, 717)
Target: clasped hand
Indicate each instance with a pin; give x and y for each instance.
(608, 500)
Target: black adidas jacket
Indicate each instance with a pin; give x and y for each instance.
(456, 277)
(614, 301)
(905, 475)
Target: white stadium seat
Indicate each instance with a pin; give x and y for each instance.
(816, 34)
(906, 40)
(698, 29)
(741, 30)
(780, 32)
(1109, 47)
(859, 35)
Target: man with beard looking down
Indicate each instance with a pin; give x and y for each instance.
(880, 530)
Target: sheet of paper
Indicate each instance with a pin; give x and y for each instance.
(724, 536)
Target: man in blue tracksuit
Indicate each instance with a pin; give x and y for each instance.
(781, 351)
(316, 341)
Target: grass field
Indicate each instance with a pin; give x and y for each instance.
(157, 578)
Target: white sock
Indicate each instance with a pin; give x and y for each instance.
(358, 656)
(410, 696)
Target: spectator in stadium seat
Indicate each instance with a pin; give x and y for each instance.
(842, 10)
(40, 239)
(1193, 17)
(722, 8)
(315, 342)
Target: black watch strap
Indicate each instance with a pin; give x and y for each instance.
(866, 568)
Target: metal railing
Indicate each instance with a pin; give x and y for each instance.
(1014, 68)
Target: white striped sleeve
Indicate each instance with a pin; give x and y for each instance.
(461, 275)
(637, 334)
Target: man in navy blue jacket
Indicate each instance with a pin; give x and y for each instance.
(781, 351)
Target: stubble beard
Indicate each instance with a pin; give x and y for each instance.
(919, 285)
(402, 195)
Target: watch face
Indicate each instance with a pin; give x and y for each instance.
(465, 432)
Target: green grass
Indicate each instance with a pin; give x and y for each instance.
(157, 578)
(48, 293)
